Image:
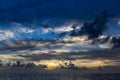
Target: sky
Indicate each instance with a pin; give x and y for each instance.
(21, 23)
(51, 9)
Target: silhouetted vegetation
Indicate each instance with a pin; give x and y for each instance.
(42, 66)
(30, 65)
(21, 64)
(69, 65)
(1, 64)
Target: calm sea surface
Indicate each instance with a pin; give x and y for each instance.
(115, 76)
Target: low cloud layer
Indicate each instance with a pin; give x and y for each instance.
(96, 54)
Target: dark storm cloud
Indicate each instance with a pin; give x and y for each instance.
(64, 9)
(49, 56)
(16, 45)
(96, 54)
(116, 42)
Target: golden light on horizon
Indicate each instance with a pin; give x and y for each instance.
(11, 57)
(96, 63)
(51, 64)
(92, 63)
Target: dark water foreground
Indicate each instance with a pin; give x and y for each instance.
(107, 76)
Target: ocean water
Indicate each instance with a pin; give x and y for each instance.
(108, 76)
